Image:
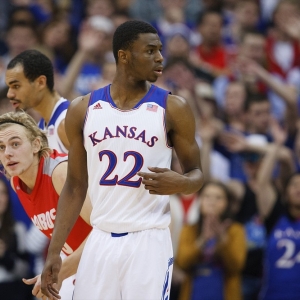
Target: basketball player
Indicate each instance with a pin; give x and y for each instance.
(37, 175)
(30, 80)
(121, 138)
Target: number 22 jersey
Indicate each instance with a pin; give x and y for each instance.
(120, 143)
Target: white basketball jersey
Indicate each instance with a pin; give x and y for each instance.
(58, 114)
(119, 144)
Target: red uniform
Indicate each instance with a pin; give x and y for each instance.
(41, 204)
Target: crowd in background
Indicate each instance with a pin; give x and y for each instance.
(237, 63)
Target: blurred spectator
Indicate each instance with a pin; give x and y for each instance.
(254, 149)
(13, 258)
(213, 251)
(108, 74)
(85, 68)
(152, 10)
(19, 37)
(178, 40)
(234, 107)
(281, 271)
(103, 8)
(21, 14)
(211, 54)
(281, 219)
(56, 36)
(245, 17)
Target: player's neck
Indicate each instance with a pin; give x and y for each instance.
(126, 92)
(46, 106)
(28, 177)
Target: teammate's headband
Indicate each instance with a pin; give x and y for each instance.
(12, 121)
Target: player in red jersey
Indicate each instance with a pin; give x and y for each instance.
(37, 175)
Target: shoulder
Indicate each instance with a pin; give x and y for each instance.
(77, 111)
(177, 111)
(59, 176)
(60, 170)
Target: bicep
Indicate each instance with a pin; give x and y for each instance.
(181, 131)
(62, 134)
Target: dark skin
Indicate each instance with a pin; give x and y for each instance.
(136, 67)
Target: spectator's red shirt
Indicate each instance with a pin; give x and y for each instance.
(215, 57)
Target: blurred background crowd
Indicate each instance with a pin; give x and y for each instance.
(237, 63)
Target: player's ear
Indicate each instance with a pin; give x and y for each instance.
(36, 145)
(123, 56)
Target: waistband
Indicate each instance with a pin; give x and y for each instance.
(118, 234)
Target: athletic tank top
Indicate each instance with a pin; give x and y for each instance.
(41, 204)
(119, 144)
(282, 261)
(58, 114)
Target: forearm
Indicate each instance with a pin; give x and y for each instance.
(265, 171)
(72, 73)
(288, 93)
(192, 182)
(66, 217)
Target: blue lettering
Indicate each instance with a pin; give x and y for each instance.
(93, 139)
(153, 140)
(142, 136)
(132, 131)
(119, 131)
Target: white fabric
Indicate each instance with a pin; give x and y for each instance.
(131, 267)
(284, 55)
(51, 131)
(116, 207)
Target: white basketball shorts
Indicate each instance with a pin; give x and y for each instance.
(128, 266)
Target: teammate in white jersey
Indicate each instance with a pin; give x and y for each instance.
(121, 138)
(30, 79)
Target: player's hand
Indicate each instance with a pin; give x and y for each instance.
(36, 291)
(49, 277)
(162, 181)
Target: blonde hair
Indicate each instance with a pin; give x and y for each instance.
(32, 130)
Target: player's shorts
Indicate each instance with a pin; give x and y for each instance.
(128, 266)
(67, 289)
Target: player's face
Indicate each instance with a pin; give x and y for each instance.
(213, 200)
(17, 153)
(293, 191)
(146, 60)
(21, 91)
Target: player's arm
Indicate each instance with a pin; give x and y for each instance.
(180, 124)
(62, 134)
(68, 268)
(72, 196)
(59, 176)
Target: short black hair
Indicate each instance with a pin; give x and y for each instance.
(248, 32)
(204, 14)
(127, 33)
(34, 65)
(255, 98)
